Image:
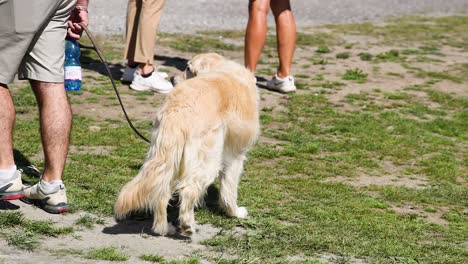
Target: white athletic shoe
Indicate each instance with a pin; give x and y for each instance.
(11, 188)
(282, 85)
(53, 201)
(153, 83)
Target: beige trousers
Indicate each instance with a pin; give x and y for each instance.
(143, 18)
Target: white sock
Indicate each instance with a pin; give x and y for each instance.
(50, 187)
(8, 172)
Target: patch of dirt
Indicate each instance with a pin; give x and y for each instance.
(274, 103)
(131, 237)
(432, 217)
(414, 182)
(91, 150)
(457, 89)
(392, 176)
(332, 258)
(108, 107)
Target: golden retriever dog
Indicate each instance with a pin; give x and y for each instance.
(203, 131)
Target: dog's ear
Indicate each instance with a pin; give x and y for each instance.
(199, 64)
(182, 76)
(202, 63)
(191, 71)
(177, 78)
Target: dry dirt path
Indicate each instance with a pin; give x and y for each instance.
(188, 17)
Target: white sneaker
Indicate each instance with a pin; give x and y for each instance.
(153, 83)
(129, 74)
(53, 201)
(282, 85)
(11, 188)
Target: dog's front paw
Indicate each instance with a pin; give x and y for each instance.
(241, 212)
(166, 229)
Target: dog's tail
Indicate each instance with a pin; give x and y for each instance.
(153, 182)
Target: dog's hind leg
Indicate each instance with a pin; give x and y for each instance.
(229, 182)
(189, 197)
(203, 161)
(160, 201)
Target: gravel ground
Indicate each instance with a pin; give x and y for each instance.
(185, 16)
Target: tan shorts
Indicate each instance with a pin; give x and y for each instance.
(32, 39)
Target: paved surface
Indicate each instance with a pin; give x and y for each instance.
(190, 16)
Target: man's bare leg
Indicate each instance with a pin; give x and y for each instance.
(7, 122)
(55, 120)
(11, 186)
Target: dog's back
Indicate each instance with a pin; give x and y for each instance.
(206, 125)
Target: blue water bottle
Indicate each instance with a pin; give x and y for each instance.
(72, 65)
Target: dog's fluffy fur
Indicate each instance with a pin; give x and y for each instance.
(203, 130)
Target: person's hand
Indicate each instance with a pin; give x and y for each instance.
(78, 15)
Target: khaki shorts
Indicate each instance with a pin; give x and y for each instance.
(32, 39)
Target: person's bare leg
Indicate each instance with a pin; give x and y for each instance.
(285, 35)
(255, 33)
(55, 120)
(7, 122)
(145, 68)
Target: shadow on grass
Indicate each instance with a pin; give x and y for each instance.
(90, 62)
(20, 159)
(176, 62)
(97, 66)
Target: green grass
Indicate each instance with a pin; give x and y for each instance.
(301, 215)
(391, 55)
(319, 61)
(198, 44)
(397, 96)
(323, 49)
(329, 84)
(452, 31)
(153, 258)
(26, 234)
(356, 74)
(88, 221)
(317, 39)
(26, 241)
(365, 56)
(343, 55)
(10, 219)
(106, 253)
(161, 260)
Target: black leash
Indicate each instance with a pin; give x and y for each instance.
(103, 60)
